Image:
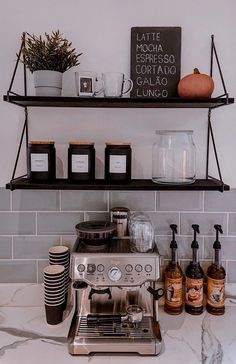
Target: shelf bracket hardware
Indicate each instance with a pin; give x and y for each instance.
(210, 134)
(25, 126)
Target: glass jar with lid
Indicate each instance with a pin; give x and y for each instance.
(174, 157)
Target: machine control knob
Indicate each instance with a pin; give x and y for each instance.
(148, 268)
(100, 268)
(81, 268)
(114, 274)
(138, 268)
(128, 268)
(91, 268)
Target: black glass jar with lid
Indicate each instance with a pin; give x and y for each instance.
(118, 162)
(81, 161)
(41, 161)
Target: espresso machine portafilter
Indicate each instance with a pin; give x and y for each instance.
(115, 297)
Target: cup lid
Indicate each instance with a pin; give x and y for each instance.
(58, 249)
(54, 269)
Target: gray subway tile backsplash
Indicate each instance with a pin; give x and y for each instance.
(53, 223)
(84, 200)
(40, 219)
(97, 216)
(4, 200)
(206, 222)
(184, 246)
(5, 247)
(224, 202)
(68, 240)
(232, 224)
(231, 272)
(162, 220)
(134, 200)
(41, 264)
(180, 201)
(34, 200)
(13, 271)
(228, 247)
(17, 223)
(33, 247)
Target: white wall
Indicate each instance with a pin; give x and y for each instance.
(101, 30)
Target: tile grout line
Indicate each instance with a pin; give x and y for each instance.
(11, 201)
(37, 272)
(36, 223)
(12, 252)
(227, 223)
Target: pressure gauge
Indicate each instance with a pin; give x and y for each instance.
(114, 274)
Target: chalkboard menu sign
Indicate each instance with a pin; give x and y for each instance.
(155, 61)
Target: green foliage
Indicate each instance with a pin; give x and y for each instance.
(53, 52)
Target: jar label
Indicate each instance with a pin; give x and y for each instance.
(117, 164)
(194, 292)
(79, 163)
(174, 291)
(39, 162)
(216, 292)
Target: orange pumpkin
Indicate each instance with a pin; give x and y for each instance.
(196, 85)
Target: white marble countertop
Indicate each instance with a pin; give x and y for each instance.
(26, 338)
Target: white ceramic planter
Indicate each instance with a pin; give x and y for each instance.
(47, 83)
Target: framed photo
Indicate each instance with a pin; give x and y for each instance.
(85, 85)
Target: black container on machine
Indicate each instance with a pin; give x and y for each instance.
(81, 161)
(118, 162)
(41, 161)
(194, 280)
(216, 280)
(120, 216)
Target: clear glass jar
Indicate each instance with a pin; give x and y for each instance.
(174, 157)
(141, 233)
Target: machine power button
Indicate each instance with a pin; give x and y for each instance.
(91, 268)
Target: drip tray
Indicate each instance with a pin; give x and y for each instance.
(143, 330)
(114, 338)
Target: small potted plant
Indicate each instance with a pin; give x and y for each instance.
(48, 58)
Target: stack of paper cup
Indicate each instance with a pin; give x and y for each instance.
(60, 254)
(54, 293)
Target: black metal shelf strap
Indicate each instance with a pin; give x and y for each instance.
(210, 104)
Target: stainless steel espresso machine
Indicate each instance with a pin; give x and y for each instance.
(115, 295)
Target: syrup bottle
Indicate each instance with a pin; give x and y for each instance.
(194, 280)
(173, 280)
(216, 280)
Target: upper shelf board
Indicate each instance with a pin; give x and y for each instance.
(109, 102)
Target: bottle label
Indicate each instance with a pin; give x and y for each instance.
(117, 164)
(39, 162)
(194, 292)
(79, 163)
(174, 292)
(216, 292)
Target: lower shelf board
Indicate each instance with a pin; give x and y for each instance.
(134, 185)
